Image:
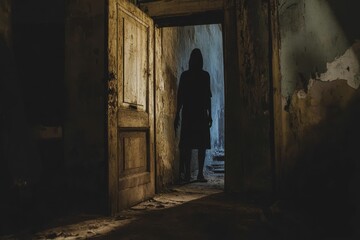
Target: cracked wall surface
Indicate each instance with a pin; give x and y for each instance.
(320, 68)
(317, 48)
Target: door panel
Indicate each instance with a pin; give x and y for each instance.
(134, 35)
(131, 118)
(130, 106)
(134, 153)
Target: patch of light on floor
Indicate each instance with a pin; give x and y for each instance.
(101, 226)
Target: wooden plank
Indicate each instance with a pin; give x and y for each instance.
(135, 120)
(135, 35)
(134, 180)
(213, 17)
(133, 195)
(112, 107)
(164, 8)
(276, 85)
(232, 85)
(134, 151)
(151, 107)
(132, 118)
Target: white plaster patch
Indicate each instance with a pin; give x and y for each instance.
(346, 67)
(301, 94)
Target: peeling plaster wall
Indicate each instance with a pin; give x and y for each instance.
(317, 47)
(174, 46)
(312, 37)
(84, 127)
(319, 59)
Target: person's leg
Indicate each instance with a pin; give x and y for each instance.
(201, 160)
(185, 157)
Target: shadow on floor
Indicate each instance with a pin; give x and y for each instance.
(191, 211)
(212, 217)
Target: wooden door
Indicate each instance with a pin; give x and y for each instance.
(130, 105)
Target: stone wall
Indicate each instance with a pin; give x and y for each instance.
(173, 48)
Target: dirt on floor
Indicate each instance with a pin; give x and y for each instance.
(190, 211)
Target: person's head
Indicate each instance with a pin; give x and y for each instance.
(196, 60)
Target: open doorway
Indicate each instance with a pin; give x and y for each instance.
(132, 46)
(173, 48)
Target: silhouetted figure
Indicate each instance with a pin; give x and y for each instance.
(194, 99)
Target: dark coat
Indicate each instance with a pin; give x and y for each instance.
(194, 96)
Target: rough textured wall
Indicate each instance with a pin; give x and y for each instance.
(45, 102)
(32, 48)
(174, 46)
(320, 70)
(248, 161)
(319, 63)
(84, 128)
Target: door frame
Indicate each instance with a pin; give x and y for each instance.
(173, 14)
(162, 18)
(170, 13)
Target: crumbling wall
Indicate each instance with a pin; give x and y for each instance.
(319, 62)
(320, 73)
(173, 48)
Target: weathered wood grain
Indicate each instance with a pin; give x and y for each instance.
(130, 105)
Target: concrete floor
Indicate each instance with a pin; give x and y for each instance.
(191, 211)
